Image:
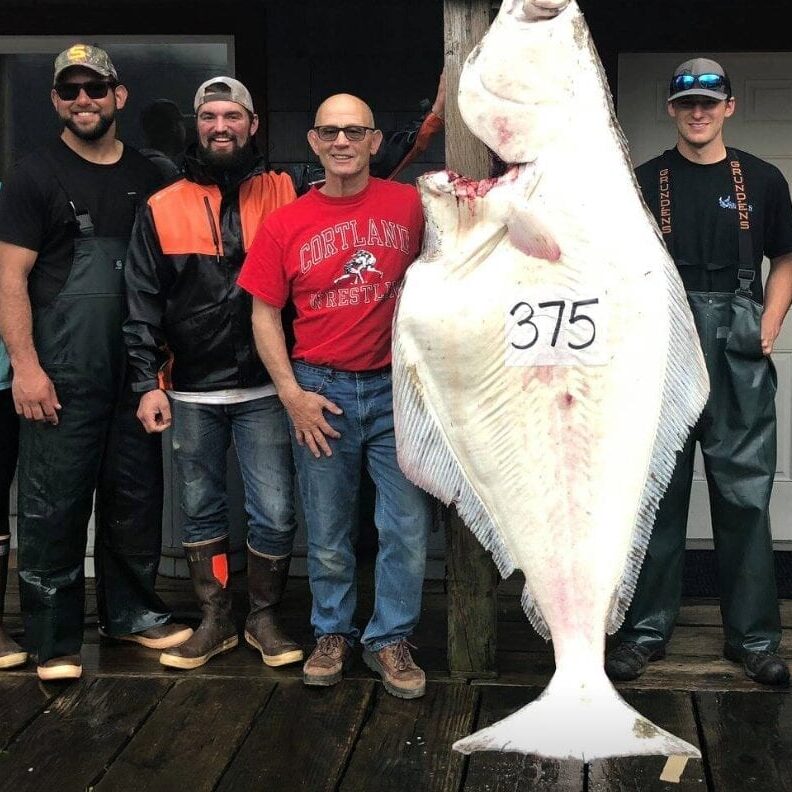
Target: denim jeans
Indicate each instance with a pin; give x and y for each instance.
(201, 436)
(329, 488)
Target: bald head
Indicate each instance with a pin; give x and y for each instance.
(344, 110)
(347, 143)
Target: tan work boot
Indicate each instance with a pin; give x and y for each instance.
(327, 662)
(400, 675)
(161, 636)
(60, 668)
(217, 632)
(11, 653)
(266, 582)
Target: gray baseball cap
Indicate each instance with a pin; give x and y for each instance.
(86, 56)
(700, 77)
(223, 89)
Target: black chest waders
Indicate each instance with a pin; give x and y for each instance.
(737, 435)
(98, 446)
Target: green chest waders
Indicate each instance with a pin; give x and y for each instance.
(98, 445)
(737, 435)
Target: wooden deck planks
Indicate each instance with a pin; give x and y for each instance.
(405, 746)
(509, 772)
(78, 735)
(22, 698)
(747, 740)
(302, 740)
(191, 736)
(126, 724)
(125, 659)
(670, 711)
(673, 673)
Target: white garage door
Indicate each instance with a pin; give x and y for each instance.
(762, 125)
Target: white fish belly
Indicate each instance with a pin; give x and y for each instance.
(558, 455)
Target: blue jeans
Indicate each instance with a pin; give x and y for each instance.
(201, 436)
(329, 488)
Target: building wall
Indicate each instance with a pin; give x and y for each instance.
(291, 55)
(390, 54)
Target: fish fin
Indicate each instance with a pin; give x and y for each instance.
(577, 717)
(534, 614)
(685, 393)
(428, 460)
(529, 236)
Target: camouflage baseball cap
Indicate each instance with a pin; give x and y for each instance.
(88, 57)
(225, 89)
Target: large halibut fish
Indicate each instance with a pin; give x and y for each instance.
(547, 368)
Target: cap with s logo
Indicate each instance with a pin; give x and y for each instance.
(86, 56)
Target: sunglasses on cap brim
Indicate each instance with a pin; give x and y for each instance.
(707, 82)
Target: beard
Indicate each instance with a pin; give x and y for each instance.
(231, 160)
(104, 123)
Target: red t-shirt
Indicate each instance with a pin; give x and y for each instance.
(341, 261)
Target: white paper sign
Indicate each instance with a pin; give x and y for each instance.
(553, 328)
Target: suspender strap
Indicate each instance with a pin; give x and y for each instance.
(666, 227)
(746, 272)
(82, 216)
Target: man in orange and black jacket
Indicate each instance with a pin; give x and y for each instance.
(188, 316)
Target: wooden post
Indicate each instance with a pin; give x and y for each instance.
(471, 576)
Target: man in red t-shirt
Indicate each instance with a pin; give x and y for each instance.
(339, 254)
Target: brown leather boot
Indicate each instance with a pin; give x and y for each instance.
(11, 653)
(217, 632)
(400, 675)
(266, 582)
(328, 661)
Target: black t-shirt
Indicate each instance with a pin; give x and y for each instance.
(35, 212)
(704, 217)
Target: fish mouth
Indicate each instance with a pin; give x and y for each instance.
(450, 182)
(531, 11)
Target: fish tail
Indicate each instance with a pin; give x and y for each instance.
(577, 718)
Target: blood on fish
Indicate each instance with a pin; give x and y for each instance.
(544, 374)
(503, 129)
(566, 400)
(471, 188)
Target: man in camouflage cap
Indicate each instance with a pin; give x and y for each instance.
(66, 214)
(88, 57)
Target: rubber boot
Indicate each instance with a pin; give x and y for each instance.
(11, 653)
(217, 632)
(266, 582)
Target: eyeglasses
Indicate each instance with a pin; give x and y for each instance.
(709, 82)
(352, 133)
(68, 92)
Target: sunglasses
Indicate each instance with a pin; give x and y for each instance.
(352, 133)
(709, 82)
(68, 92)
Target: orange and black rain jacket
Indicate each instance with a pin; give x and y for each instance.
(186, 251)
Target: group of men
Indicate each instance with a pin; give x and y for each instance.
(121, 311)
(226, 308)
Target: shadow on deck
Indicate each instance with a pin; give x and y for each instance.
(131, 724)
